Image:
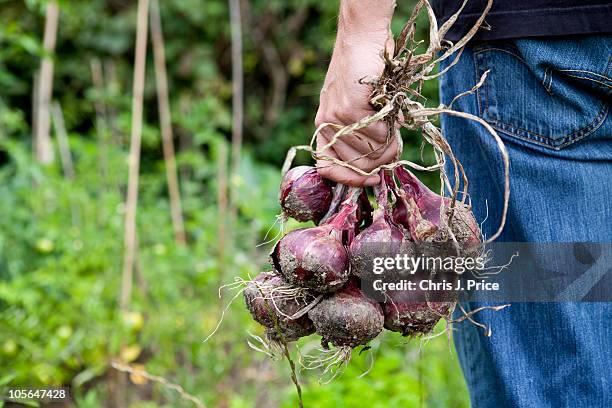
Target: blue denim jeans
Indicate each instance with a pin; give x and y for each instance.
(549, 99)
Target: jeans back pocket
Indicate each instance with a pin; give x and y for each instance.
(548, 92)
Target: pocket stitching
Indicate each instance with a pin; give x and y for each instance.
(604, 76)
(549, 87)
(483, 50)
(531, 136)
(478, 102)
(607, 78)
(558, 144)
(485, 93)
(590, 79)
(582, 75)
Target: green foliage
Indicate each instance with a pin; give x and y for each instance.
(401, 374)
(61, 241)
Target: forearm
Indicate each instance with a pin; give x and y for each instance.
(365, 18)
(363, 33)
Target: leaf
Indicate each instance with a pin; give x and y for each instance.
(86, 375)
(7, 379)
(29, 44)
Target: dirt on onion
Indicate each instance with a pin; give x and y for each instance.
(272, 303)
(316, 258)
(347, 318)
(419, 210)
(304, 194)
(410, 317)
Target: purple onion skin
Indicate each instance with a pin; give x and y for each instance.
(264, 313)
(383, 235)
(314, 258)
(413, 318)
(304, 194)
(429, 203)
(347, 318)
(423, 218)
(400, 214)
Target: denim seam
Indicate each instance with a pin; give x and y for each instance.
(480, 112)
(486, 94)
(482, 50)
(589, 79)
(584, 71)
(531, 136)
(605, 73)
(485, 89)
(607, 78)
(548, 73)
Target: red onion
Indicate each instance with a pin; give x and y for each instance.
(304, 194)
(384, 235)
(418, 209)
(411, 318)
(347, 318)
(422, 217)
(269, 306)
(316, 258)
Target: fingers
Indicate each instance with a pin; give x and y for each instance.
(371, 140)
(364, 140)
(362, 144)
(346, 149)
(377, 131)
(346, 176)
(342, 175)
(346, 152)
(366, 149)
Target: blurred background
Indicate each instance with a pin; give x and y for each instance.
(90, 276)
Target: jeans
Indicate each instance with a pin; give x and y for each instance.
(549, 100)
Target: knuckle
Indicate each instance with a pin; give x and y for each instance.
(321, 139)
(319, 118)
(344, 111)
(339, 175)
(379, 134)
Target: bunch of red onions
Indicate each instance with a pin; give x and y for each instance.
(329, 261)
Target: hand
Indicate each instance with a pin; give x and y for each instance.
(363, 34)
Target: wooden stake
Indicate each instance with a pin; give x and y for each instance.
(65, 156)
(112, 86)
(35, 86)
(43, 148)
(222, 207)
(161, 82)
(97, 77)
(62, 140)
(134, 157)
(237, 99)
